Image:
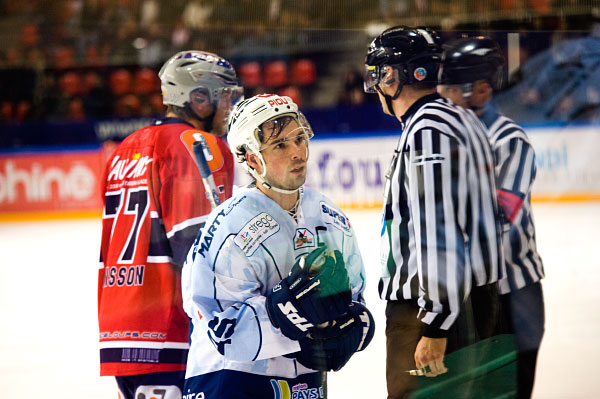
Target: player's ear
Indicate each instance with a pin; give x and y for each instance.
(252, 160)
(483, 87)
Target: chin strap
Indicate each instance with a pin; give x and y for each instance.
(389, 99)
(263, 180)
(208, 121)
(279, 190)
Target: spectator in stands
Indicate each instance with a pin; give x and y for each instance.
(98, 101)
(151, 47)
(180, 35)
(196, 14)
(149, 13)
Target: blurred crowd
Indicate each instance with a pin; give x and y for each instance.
(87, 59)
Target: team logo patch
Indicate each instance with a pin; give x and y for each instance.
(282, 390)
(255, 232)
(335, 218)
(420, 73)
(303, 239)
(245, 236)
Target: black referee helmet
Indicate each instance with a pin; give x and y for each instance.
(469, 59)
(414, 52)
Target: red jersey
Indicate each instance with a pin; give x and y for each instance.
(154, 206)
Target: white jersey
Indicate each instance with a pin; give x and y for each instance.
(247, 246)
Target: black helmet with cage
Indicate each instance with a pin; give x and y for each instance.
(414, 52)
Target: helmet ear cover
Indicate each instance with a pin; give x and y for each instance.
(417, 70)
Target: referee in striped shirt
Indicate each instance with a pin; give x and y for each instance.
(472, 69)
(441, 229)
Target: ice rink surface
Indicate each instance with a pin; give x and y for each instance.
(48, 339)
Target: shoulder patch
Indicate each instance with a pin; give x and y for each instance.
(304, 238)
(334, 217)
(212, 152)
(255, 232)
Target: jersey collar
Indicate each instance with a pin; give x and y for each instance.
(418, 104)
(489, 115)
(171, 121)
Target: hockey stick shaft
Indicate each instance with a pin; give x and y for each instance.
(200, 149)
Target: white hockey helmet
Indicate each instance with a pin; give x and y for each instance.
(245, 121)
(187, 71)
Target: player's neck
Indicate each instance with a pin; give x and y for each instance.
(285, 201)
(192, 121)
(408, 97)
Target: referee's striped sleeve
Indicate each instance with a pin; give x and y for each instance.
(436, 168)
(515, 167)
(515, 174)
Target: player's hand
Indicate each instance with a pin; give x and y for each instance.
(330, 348)
(316, 292)
(429, 356)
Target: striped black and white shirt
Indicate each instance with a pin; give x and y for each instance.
(441, 230)
(515, 173)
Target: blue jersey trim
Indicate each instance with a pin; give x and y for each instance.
(214, 274)
(260, 338)
(273, 258)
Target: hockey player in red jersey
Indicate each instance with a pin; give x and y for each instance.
(154, 205)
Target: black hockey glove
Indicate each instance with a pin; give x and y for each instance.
(330, 348)
(316, 291)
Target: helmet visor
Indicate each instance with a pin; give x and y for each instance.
(236, 94)
(274, 132)
(372, 77)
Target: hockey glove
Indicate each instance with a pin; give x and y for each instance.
(317, 291)
(330, 348)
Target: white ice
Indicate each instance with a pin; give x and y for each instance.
(48, 336)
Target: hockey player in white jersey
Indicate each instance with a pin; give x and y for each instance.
(274, 282)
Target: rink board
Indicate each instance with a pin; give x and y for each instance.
(350, 170)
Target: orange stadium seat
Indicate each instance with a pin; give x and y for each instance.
(6, 110)
(93, 56)
(30, 35)
(70, 84)
(156, 104)
(120, 81)
(293, 92)
(22, 110)
(146, 81)
(64, 57)
(276, 74)
(304, 72)
(76, 110)
(128, 105)
(250, 74)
